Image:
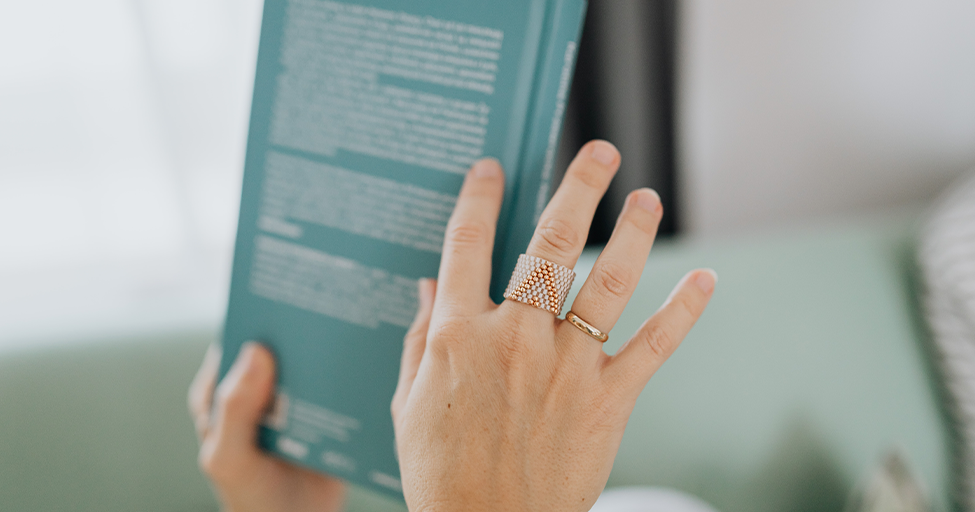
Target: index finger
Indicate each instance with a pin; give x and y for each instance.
(465, 265)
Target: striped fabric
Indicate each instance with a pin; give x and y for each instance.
(947, 260)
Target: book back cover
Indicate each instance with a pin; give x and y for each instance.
(366, 116)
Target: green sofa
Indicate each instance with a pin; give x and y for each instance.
(809, 365)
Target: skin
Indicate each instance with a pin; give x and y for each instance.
(245, 478)
(498, 407)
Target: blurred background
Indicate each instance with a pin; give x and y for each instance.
(123, 126)
(122, 133)
(124, 122)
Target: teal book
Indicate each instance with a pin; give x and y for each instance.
(366, 117)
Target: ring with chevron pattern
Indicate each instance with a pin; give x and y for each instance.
(540, 283)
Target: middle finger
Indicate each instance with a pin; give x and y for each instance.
(564, 225)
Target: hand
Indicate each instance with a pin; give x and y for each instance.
(246, 478)
(505, 407)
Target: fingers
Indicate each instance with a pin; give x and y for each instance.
(200, 394)
(617, 271)
(465, 268)
(414, 344)
(230, 448)
(641, 356)
(564, 226)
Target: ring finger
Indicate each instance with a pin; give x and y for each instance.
(618, 269)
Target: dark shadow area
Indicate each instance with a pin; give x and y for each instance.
(623, 92)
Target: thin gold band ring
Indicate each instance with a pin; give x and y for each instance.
(586, 327)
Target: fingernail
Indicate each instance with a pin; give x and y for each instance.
(604, 152)
(706, 279)
(426, 291)
(242, 365)
(487, 168)
(246, 356)
(648, 199)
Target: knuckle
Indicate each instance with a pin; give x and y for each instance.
(231, 400)
(197, 396)
(416, 333)
(447, 336)
(468, 233)
(447, 331)
(214, 465)
(395, 406)
(210, 464)
(590, 176)
(194, 401)
(201, 427)
(204, 461)
(685, 307)
(613, 279)
(645, 223)
(511, 350)
(508, 348)
(658, 341)
(558, 235)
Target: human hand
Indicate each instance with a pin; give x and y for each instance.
(504, 407)
(246, 478)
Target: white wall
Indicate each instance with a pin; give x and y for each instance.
(800, 110)
(122, 129)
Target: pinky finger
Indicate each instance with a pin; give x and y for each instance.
(631, 368)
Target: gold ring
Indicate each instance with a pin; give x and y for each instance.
(586, 327)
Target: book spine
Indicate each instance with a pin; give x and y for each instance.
(544, 131)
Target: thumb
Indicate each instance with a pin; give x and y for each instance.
(230, 450)
(414, 345)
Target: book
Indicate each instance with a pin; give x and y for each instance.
(366, 116)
